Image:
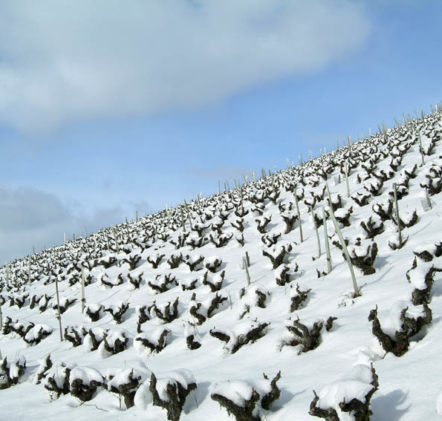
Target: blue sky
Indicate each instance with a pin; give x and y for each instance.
(106, 109)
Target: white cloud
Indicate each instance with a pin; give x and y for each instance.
(33, 218)
(66, 60)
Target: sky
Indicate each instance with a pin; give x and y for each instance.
(109, 108)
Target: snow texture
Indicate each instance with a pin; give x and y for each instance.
(223, 333)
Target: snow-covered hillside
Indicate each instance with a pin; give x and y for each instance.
(227, 307)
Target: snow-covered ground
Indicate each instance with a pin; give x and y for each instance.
(177, 324)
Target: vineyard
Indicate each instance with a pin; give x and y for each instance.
(312, 292)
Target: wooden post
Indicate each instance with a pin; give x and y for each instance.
(427, 197)
(396, 206)
(247, 259)
(327, 246)
(183, 219)
(344, 246)
(116, 240)
(346, 179)
(346, 254)
(316, 231)
(263, 173)
(421, 150)
(190, 220)
(246, 267)
(58, 309)
(83, 297)
(299, 218)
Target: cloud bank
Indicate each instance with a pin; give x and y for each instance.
(33, 218)
(65, 61)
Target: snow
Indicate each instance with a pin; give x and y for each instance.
(250, 296)
(33, 334)
(58, 372)
(217, 278)
(279, 270)
(152, 336)
(85, 374)
(344, 390)
(212, 260)
(14, 366)
(94, 307)
(429, 247)
(407, 390)
(115, 335)
(99, 333)
(341, 213)
(417, 275)
(122, 377)
(236, 391)
(143, 397)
